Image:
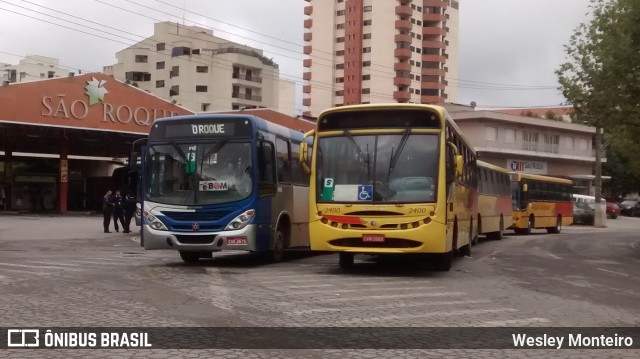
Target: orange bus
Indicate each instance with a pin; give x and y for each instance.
(494, 200)
(540, 202)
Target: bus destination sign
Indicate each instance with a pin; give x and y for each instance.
(221, 128)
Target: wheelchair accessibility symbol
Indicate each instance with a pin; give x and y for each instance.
(365, 193)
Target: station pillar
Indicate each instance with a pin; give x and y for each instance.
(63, 176)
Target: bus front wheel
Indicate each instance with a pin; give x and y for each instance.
(346, 260)
(190, 257)
(443, 261)
(278, 247)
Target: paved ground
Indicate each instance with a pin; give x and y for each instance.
(63, 271)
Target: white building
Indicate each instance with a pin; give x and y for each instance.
(365, 51)
(33, 68)
(201, 72)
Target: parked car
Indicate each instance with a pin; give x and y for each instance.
(583, 213)
(630, 207)
(613, 210)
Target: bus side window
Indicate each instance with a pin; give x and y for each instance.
(266, 169)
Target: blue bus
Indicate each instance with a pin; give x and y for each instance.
(215, 182)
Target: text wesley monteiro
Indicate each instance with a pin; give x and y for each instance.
(571, 341)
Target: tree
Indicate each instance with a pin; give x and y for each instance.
(601, 79)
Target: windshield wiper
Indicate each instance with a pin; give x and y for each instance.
(396, 156)
(361, 153)
(180, 151)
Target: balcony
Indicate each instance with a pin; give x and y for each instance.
(308, 10)
(306, 89)
(403, 24)
(306, 76)
(402, 53)
(433, 31)
(308, 23)
(434, 44)
(432, 72)
(307, 36)
(431, 99)
(246, 96)
(433, 17)
(403, 38)
(402, 66)
(307, 49)
(434, 58)
(402, 81)
(306, 102)
(250, 78)
(404, 10)
(401, 96)
(306, 62)
(434, 3)
(432, 85)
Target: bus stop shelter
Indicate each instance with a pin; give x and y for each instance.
(60, 138)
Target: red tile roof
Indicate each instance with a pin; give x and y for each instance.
(278, 118)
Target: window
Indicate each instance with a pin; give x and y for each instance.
(340, 12)
(160, 46)
(195, 52)
(340, 53)
(529, 141)
(366, 91)
(366, 77)
(339, 66)
(339, 93)
(339, 80)
(367, 22)
(366, 36)
(299, 177)
(283, 163)
(509, 136)
(265, 163)
(551, 143)
(366, 50)
(366, 63)
(201, 88)
(159, 65)
(340, 26)
(51, 74)
(205, 106)
(367, 8)
(340, 39)
(202, 69)
(491, 134)
(568, 143)
(141, 58)
(175, 90)
(175, 71)
(159, 83)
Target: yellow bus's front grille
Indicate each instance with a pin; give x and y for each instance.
(388, 243)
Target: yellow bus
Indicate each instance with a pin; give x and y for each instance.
(540, 202)
(389, 179)
(494, 200)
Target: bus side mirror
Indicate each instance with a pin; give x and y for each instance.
(525, 188)
(303, 155)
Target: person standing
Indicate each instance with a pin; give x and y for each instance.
(107, 210)
(118, 211)
(129, 209)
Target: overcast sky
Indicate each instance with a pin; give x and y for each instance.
(518, 43)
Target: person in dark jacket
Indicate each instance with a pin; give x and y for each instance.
(107, 210)
(118, 211)
(129, 209)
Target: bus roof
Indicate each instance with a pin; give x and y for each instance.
(402, 106)
(492, 167)
(541, 178)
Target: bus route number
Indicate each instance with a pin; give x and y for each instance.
(417, 211)
(332, 210)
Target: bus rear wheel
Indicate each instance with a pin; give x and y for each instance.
(498, 235)
(557, 228)
(346, 260)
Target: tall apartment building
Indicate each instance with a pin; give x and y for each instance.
(365, 51)
(202, 72)
(32, 68)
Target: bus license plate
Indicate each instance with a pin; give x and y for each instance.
(236, 240)
(376, 238)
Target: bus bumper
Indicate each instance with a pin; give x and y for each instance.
(428, 238)
(242, 240)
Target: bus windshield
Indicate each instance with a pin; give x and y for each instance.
(198, 174)
(377, 168)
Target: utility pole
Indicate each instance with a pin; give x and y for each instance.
(600, 214)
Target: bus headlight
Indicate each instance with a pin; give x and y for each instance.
(155, 223)
(241, 221)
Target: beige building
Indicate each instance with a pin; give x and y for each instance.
(365, 51)
(202, 72)
(530, 144)
(32, 68)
